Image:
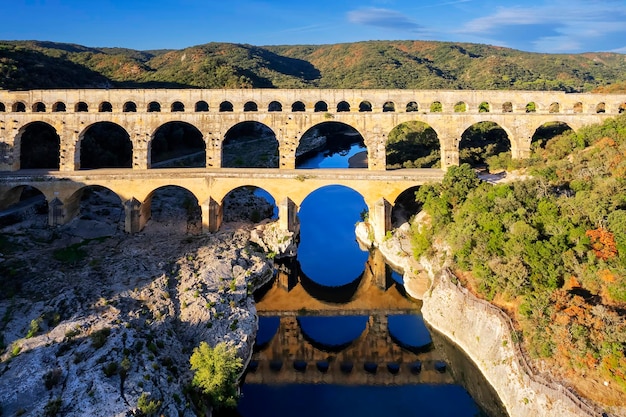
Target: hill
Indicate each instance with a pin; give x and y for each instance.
(372, 64)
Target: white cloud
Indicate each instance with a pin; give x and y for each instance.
(383, 18)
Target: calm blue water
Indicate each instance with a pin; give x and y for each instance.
(335, 160)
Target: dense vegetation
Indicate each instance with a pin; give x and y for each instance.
(373, 64)
(552, 246)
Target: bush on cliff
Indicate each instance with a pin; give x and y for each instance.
(215, 373)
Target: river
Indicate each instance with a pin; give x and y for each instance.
(338, 335)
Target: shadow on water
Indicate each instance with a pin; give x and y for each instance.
(332, 333)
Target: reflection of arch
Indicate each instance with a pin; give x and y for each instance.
(105, 107)
(365, 106)
(343, 106)
(320, 106)
(298, 106)
(482, 140)
(250, 106)
(329, 294)
(275, 106)
(81, 106)
(409, 332)
(268, 327)
(412, 144)
(547, 131)
(226, 106)
(129, 107)
(332, 333)
(154, 106)
(59, 106)
(201, 106)
(105, 145)
(177, 144)
(40, 146)
(250, 144)
(39, 107)
(177, 106)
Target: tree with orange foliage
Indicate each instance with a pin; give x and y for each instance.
(602, 243)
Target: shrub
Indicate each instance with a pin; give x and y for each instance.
(215, 373)
(147, 405)
(99, 337)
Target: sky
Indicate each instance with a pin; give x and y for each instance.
(555, 26)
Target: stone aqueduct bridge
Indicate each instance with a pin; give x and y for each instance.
(289, 114)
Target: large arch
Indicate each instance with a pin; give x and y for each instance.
(250, 144)
(105, 145)
(99, 210)
(177, 144)
(548, 131)
(405, 207)
(413, 144)
(249, 204)
(40, 146)
(172, 209)
(482, 141)
(23, 203)
(331, 145)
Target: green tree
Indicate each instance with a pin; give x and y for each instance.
(215, 373)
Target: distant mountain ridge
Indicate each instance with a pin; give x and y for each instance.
(371, 64)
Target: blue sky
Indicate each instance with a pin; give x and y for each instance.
(556, 26)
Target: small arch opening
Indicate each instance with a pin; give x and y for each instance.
(601, 108)
(554, 108)
(622, 108)
(201, 106)
(81, 107)
(460, 107)
(298, 106)
(484, 107)
(436, 107)
(578, 107)
(39, 107)
(389, 106)
(412, 106)
(154, 107)
(507, 107)
(59, 107)
(365, 106)
(105, 107)
(275, 106)
(177, 106)
(2, 108)
(343, 106)
(19, 107)
(129, 107)
(531, 107)
(320, 106)
(226, 106)
(250, 106)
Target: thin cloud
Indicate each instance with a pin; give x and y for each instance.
(383, 18)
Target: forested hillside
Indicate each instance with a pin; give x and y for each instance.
(373, 64)
(550, 249)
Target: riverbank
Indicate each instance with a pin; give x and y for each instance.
(483, 332)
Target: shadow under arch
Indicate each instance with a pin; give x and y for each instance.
(172, 208)
(177, 144)
(250, 144)
(481, 141)
(332, 333)
(329, 253)
(105, 145)
(547, 132)
(331, 145)
(413, 144)
(40, 146)
(405, 206)
(21, 201)
(97, 211)
(331, 294)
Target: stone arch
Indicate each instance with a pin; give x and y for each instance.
(25, 195)
(250, 106)
(483, 140)
(418, 340)
(389, 106)
(507, 107)
(320, 106)
(578, 107)
(343, 106)
(105, 107)
(154, 107)
(81, 107)
(365, 106)
(39, 107)
(601, 107)
(250, 144)
(484, 107)
(274, 106)
(40, 146)
(226, 106)
(129, 107)
(177, 106)
(201, 106)
(249, 203)
(436, 107)
(99, 208)
(460, 107)
(412, 106)
(405, 207)
(544, 133)
(2, 108)
(172, 209)
(531, 107)
(177, 144)
(332, 333)
(105, 145)
(327, 139)
(413, 144)
(555, 107)
(18, 107)
(58, 107)
(298, 106)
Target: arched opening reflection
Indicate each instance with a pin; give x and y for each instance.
(249, 204)
(105, 145)
(410, 332)
(482, 141)
(334, 333)
(250, 145)
(413, 145)
(268, 327)
(331, 145)
(172, 209)
(328, 252)
(40, 147)
(548, 131)
(179, 145)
